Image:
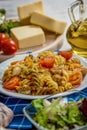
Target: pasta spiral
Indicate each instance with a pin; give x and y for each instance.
(67, 86)
(37, 78)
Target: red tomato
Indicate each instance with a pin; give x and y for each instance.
(47, 62)
(9, 46)
(3, 37)
(66, 54)
(12, 83)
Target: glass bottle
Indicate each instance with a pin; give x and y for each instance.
(77, 32)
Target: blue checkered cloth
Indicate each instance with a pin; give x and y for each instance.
(78, 95)
(19, 121)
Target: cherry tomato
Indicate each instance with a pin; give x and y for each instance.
(3, 37)
(9, 46)
(12, 83)
(76, 78)
(66, 54)
(47, 62)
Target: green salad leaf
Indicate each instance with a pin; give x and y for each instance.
(38, 104)
(56, 116)
(2, 12)
(6, 26)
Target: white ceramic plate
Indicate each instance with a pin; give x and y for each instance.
(4, 65)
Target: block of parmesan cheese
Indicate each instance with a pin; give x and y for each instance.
(28, 36)
(24, 11)
(47, 22)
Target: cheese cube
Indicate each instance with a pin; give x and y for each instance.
(25, 11)
(28, 36)
(47, 22)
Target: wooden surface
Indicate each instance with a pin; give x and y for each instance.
(50, 7)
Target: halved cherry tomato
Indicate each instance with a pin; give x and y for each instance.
(66, 54)
(9, 46)
(47, 62)
(3, 37)
(12, 83)
(76, 78)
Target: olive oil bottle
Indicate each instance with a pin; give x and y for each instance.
(77, 38)
(77, 32)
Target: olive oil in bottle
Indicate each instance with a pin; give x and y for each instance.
(77, 38)
(76, 34)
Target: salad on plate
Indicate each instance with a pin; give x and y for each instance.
(58, 114)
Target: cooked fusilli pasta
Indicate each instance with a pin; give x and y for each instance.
(37, 77)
